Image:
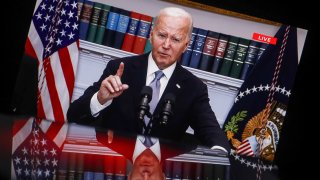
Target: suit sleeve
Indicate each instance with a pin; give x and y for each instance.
(79, 110)
(204, 122)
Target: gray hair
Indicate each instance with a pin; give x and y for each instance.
(176, 12)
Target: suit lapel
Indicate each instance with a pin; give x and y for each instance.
(174, 85)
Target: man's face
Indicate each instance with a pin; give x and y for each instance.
(146, 167)
(169, 40)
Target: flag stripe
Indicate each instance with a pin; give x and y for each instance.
(61, 135)
(44, 97)
(35, 41)
(40, 108)
(74, 56)
(20, 136)
(67, 68)
(54, 130)
(60, 83)
(57, 110)
(29, 49)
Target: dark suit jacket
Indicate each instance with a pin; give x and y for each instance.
(191, 106)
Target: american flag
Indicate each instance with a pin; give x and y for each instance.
(35, 155)
(53, 40)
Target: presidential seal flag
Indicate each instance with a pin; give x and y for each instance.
(254, 123)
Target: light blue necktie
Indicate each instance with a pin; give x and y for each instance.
(147, 141)
(155, 85)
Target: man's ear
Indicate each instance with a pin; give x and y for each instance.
(163, 176)
(186, 47)
(151, 35)
(129, 176)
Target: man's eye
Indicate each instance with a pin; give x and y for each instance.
(176, 40)
(161, 35)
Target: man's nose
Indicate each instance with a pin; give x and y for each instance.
(166, 43)
(145, 176)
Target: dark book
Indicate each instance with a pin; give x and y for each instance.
(222, 44)
(80, 5)
(88, 168)
(72, 158)
(250, 60)
(263, 47)
(197, 48)
(62, 172)
(219, 171)
(122, 27)
(79, 166)
(198, 171)
(131, 32)
(102, 21)
(120, 171)
(168, 169)
(108, 167)
(94, 22)
(209, 50)
(98, 167)
(207, 171)
(148, 46)
(110, 30)
(85, 19)
(176, 170)
(187, 171)
(228, 58)
(239, 58)
(143, 31)
(186, 56)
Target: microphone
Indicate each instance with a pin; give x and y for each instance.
(166, 112)
(146, 96)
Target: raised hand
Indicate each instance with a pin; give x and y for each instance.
(112, 86)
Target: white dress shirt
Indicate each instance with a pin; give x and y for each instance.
(140, 147)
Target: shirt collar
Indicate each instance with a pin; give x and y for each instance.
(140, 147)
(152, 67)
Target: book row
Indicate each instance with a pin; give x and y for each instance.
(110, 167)
(129, 31)
(114, 27)
(221, 53)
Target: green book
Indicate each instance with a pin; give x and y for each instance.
(148, 46)
(229, 56)
(239, 58)
(94, 22)
(207, 172)
(102, 21)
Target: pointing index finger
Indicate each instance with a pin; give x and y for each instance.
(120, 69)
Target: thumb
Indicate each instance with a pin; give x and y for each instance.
(120, 69)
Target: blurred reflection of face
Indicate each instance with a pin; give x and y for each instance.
(146, 167)
(169, 39)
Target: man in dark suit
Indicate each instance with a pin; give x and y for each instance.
(113, 100)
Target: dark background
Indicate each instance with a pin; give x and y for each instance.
(299, 131)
